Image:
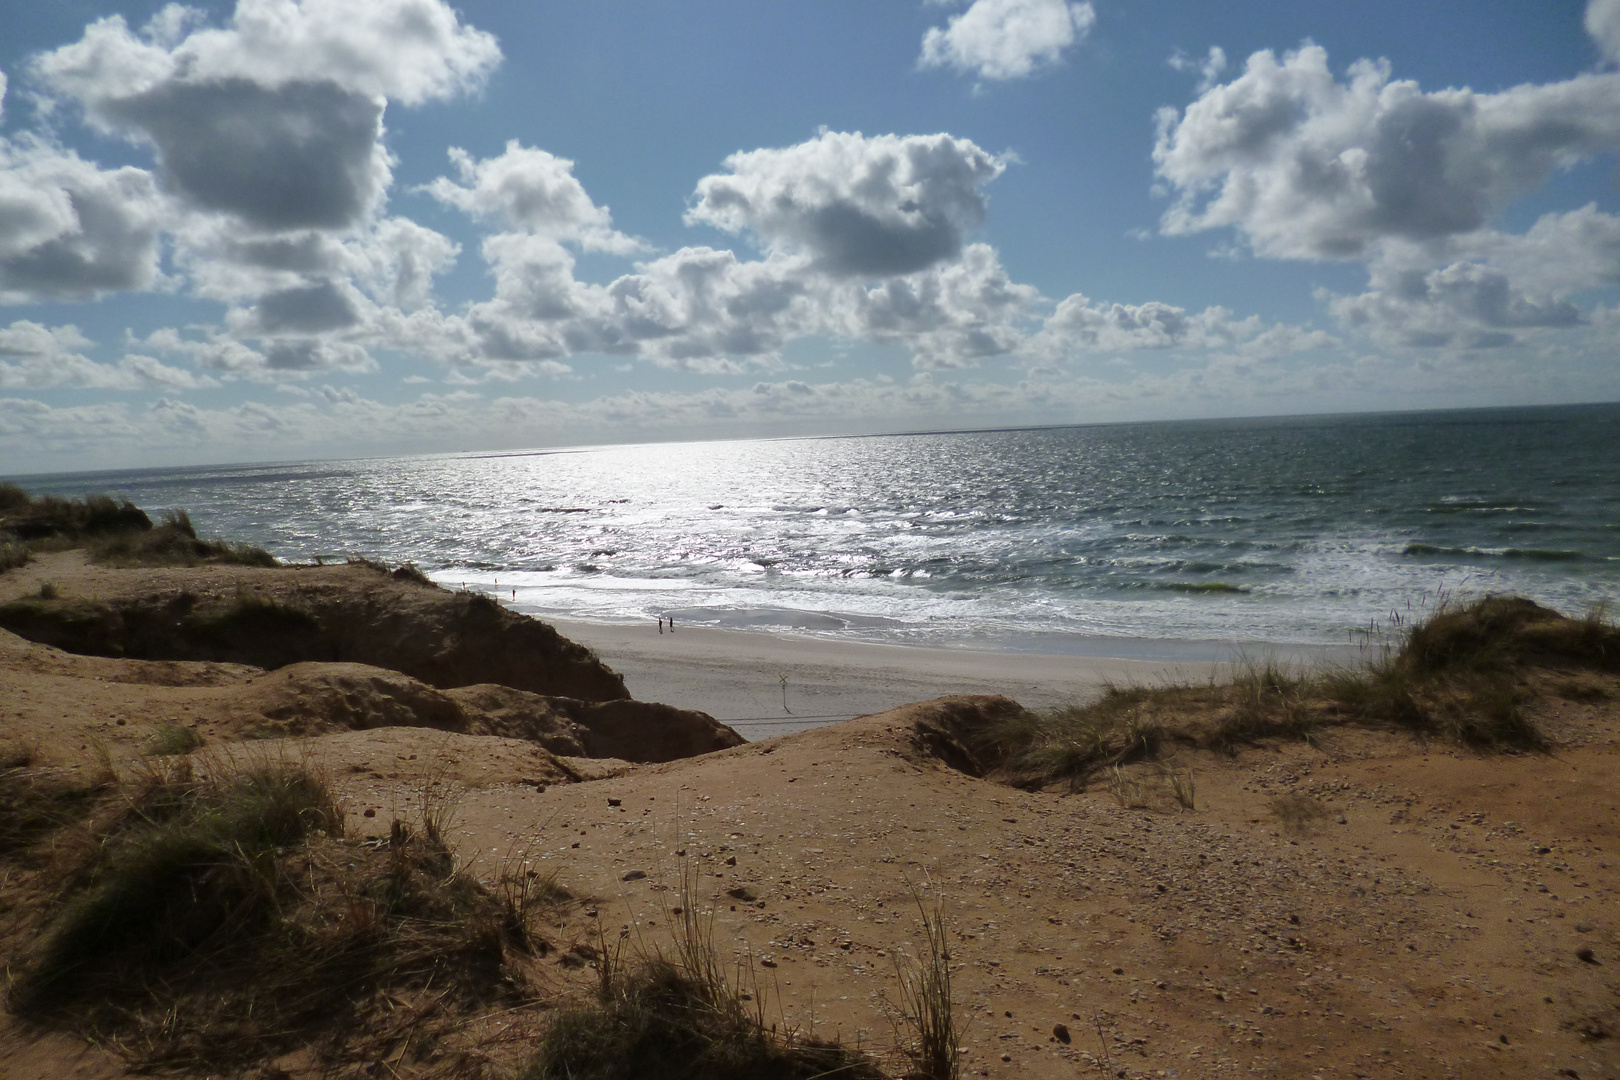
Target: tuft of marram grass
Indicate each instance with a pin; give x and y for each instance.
(185, 869)
(657, 1023)
(174, 542)
(172, 740)
(219, 921)
(58, 521)
(408, 572)
(115, 531)
(927, 1002)
(682, 1017)
(1457, 676)
(36, 802)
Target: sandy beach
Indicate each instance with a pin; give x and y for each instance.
(737, 676)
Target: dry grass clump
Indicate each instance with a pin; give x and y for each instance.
(13, 498)
(209, 923)
(1506, 632)
(1298, 813)
(681, 1018)
(36, 802)
(1151, 784)
(185, 864)
(927, 1005)
(1461, 675)
(657, 1022)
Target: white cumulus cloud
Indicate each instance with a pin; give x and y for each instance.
(856, 206)
(275, 118)
(953, 315)
(533, 191)
(1464, 304)
(1080, 324)
(1306, 166)
(410, 51)
(36, 357)
(1603, 23)
(71, 230)
(1209, 68)
(1007, 39)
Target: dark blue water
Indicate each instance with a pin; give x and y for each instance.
(1287, 529)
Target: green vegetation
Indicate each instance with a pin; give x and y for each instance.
(1462, 675)
(12, 554)
(187, 865)
(173, 542)
(403, 572)
(173, 740)
(65, 521)
(115, 531)
(209, 923)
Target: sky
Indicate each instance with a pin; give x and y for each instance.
(292, 229)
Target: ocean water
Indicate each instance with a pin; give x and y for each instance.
(1302, 530)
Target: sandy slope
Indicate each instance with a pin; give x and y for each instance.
(1428, 926)
(1412, 938)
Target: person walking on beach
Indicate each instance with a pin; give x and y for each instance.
(660, 624)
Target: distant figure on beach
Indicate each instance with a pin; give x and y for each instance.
(660, 624)
(672, 624)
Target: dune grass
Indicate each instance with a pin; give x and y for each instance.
(656, 1022)
(13, 553)
(927, 1003)
(681, 1017)
(209, 922)
(115, 532)
(172, 740)
(51, 518)
(186, 865)
(408, 571)
(34, 803)
(174, 542)
(1459, 676)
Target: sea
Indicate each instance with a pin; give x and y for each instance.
(1170, 539)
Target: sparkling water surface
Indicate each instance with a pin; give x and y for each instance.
(1289, 530)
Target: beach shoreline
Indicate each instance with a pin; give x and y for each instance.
(769, 683)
